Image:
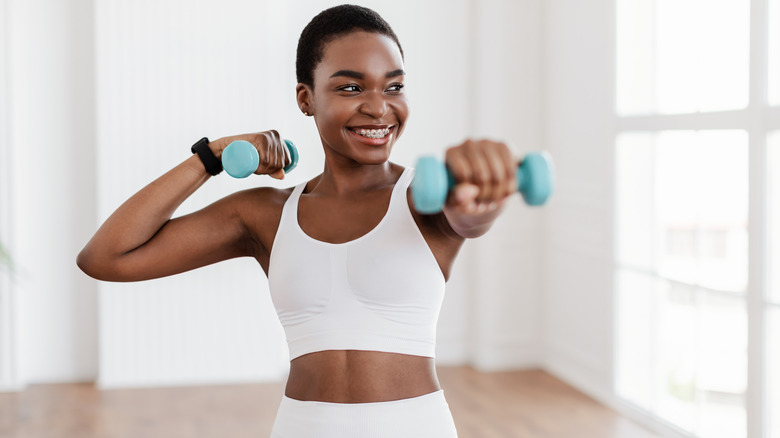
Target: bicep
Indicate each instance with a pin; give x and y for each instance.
(213, 234)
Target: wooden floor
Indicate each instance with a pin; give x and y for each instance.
(521, 404)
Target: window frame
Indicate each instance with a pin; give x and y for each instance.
(758, 119)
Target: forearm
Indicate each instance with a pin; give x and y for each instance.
(142, 216)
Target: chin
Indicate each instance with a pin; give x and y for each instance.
(374, 159)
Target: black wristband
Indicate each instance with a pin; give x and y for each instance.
(212, 163)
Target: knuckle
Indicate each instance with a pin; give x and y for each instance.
(483, 177)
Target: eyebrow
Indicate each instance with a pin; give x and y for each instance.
(358, 75)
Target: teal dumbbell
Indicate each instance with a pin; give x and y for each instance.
(240, 158)
(432, 181)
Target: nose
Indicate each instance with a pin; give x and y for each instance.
(374, 105)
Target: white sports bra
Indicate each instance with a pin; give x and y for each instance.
(380, 292)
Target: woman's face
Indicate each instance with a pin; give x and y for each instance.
(358, 101)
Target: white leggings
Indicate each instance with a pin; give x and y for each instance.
(424, 416)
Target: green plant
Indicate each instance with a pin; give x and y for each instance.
(5, 259)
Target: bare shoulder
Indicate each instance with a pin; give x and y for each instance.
(260, 210)
(260, 198)
(260, 203)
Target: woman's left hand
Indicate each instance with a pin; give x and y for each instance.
(484, 173)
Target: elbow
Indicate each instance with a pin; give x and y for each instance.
(94, 266)
(87, 264)
(105, 267)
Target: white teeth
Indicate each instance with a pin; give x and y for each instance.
(373, 133)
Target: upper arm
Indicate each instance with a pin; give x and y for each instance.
(442, 240)
(215, 233)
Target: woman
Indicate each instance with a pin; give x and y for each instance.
(356, 275)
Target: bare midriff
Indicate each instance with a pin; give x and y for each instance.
(354, 376)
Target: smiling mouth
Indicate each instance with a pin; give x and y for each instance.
(372, 133)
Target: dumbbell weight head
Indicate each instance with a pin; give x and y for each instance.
(430, 185)
(293, 156)
(536, 178)
(241, 159)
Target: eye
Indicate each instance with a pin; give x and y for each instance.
(395, 88)
(349, 88)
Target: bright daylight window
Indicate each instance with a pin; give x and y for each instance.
(772, 338)
(682, 56)
(772, 320)
(681, 247)
(774, 53)
(681, 277)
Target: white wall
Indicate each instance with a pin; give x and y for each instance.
(8, 356)
(51, 149)
(119, 91)
(579, 132)
(505, 266)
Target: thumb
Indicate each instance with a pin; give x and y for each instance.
(279, 174)
(464, 194)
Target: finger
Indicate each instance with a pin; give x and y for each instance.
(271, 151)
(274, 155)
(510, 169)
(463, 198)
(458, 165)
(275, 150)
(481, 175)
(465, 193)
(268, 149)
(501, 164)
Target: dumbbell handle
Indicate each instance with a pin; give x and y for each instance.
(432, 182)
(241, 159)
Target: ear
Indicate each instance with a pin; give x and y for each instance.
(304, 95)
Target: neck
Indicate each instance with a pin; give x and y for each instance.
(345, 180)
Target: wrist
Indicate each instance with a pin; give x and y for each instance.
(217, 146)
(211, 162)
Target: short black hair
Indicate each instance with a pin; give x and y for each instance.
(329, 25)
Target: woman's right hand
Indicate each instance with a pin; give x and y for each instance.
(274, 155)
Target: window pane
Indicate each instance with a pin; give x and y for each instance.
(773, 215)
(634, 337)
(635, 225)
(681, 251)
(721, 379)
(682, 353)
(678, 348)
(677, 56)
(682, 206)
(703, 361)
(774, 53)
(635, 48)
(773, 372)
(702, 206)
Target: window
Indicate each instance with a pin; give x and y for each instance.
(698, 135)
(773, 216)
(682, 56)
(774, 52)
(681, 277)
(772, 317)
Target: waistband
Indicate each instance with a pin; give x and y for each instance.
(427, 416)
